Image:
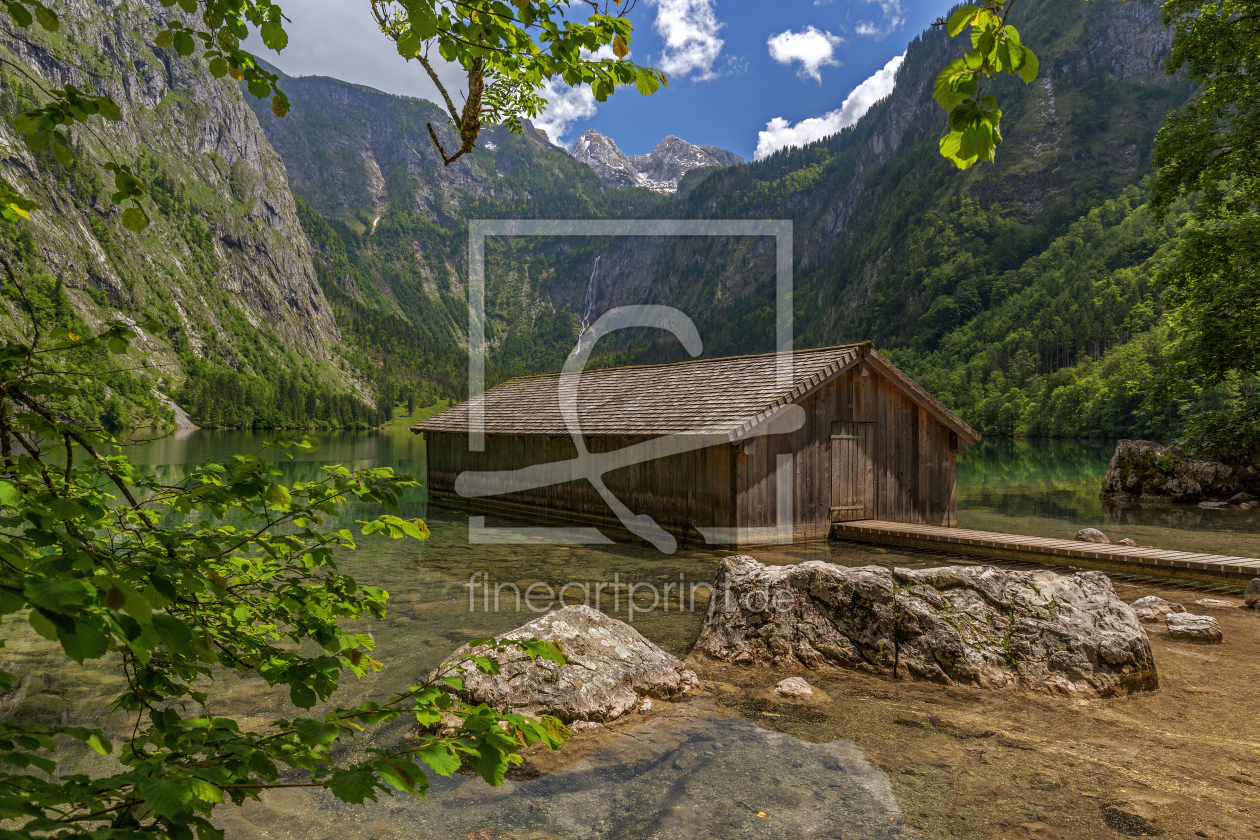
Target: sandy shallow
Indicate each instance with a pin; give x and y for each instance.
(875, 758)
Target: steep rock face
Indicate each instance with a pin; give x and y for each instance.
(673, 157)
(225, 254)
(601, 154)
(1067, 635)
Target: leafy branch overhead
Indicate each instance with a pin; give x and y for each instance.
(974, 118)
(509, 54)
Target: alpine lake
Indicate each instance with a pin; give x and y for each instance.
(879, 758)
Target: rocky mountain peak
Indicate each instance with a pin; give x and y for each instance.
(674, 157)
(601, 154)
(660, 170)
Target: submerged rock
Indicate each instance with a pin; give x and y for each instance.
(1142, 470)
(1188, 627)
(1092, 535)
(794, 687)
(1039, 631)
(1153, 608)
(611, 668)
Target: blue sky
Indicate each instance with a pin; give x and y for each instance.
(734, 67)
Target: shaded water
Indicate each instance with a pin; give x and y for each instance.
(871, 758)
(1050, 489)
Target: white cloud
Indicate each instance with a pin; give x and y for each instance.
(565, 106)
(812, 47)
(893, 19)
(689, 29)
(780, 133)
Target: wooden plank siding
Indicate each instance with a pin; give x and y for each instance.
(905, 464)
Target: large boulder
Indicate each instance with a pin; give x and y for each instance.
(1251, 595)
(1142, 470)
(611, 668)
(1040, 631)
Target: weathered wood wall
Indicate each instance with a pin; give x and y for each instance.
(912, 459)
(911, 469)
(679, 491)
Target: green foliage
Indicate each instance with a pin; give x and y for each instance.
(1211, 147)
(995, 48)
(172, 584)
(509, 55)
(1063, 345)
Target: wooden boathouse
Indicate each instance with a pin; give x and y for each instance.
(715, 446)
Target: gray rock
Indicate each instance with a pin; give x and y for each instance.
(1214, 604)
(1127, 541)
(793, 687)
(1251, 595)
(1092, 535)
(1039, 631)
(1201, 629)
(1213, 505)
(611, 669)
(1142, 470)
(1153, 608)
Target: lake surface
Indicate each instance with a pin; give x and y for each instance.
(878, 759)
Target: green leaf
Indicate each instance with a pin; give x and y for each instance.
(206, 792)
(20, 15)
(352, 785)
(99, 743)
(165, 796)
(55, 594)
(184, 44)
(109, 109)
(945, 88)
(164, 39)
(1029, 69)
(47, 18)
(961, 19)
(135, 219)
(85, 642)
(444, 760)
(174, 634)
(316, 733)
(277, 494)
(274, 36)
(40, 623)
(189, 6)
(218, 67)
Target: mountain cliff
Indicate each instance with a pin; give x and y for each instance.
(224, 265)
(659, 171)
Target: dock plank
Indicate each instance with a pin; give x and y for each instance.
(1217, 567)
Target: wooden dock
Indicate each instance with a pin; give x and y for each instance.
(1125, 559)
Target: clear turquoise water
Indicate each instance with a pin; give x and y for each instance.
(703, 769)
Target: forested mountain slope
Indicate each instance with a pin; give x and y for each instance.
(891, 243)
(224, 265)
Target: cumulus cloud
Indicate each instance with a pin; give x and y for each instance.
(811, 47)
(689, 30)
(894, 17)
(565, 106)
(780, 133)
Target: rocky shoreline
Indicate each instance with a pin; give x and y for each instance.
(1145, 472)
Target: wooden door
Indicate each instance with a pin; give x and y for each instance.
(852, 471)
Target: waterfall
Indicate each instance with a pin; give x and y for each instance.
(588, 301)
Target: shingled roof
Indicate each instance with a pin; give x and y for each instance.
(726, 396)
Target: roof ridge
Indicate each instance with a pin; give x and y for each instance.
(795, 351)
